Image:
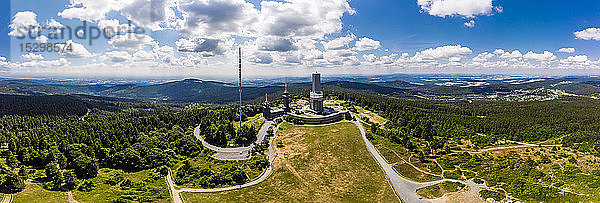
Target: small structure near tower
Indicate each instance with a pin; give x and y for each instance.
(316, 95)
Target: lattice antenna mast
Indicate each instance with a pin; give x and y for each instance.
(240, 81)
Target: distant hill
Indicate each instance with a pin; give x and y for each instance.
(212, 92)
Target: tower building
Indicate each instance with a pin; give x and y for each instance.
(316, 95)
(286, 99)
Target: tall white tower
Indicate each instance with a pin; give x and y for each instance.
(316, 95)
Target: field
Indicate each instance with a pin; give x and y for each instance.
(438, 190)
(35, 193)
(315, 164)
(373, 117)
(104, 192)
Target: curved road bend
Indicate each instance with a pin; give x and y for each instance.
(406, 189)
(239, 153)
(175, 193)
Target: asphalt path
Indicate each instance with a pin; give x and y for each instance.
(175, 192)
(238, 153)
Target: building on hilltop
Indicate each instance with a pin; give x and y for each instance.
(286, 99)
(316, 95)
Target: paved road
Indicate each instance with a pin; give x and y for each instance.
(406, 189)
(239, 153)
(175, 193)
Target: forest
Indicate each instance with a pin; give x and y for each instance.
(43, 135)
(451, 133)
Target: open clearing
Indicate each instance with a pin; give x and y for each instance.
(315, 164)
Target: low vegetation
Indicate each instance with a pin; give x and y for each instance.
(323, 164)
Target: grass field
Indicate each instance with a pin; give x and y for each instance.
(315, 164)
(438, 190)
(105, 192)
(35, 193)
(373, 117)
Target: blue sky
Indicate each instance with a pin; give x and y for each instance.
(299, 36)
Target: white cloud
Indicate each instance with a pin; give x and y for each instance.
(42, 39)
(470, 23)
(498, 51)
(21, 22)
(78, 50)
(46, 64)
(32, 56)
(261, 58)
(205, 47)
(116, 56)
(130, 41)
(566, 50)
(588, 34)
(369, 58)
(546, 56)
(482, 57)
(513, 54)
(464, 8)
(91, 10)
(275, 44)
(364, 44)
(576, 59)
(302, 18)
(215, 18)
(144, 56)
(339, 43)
(449, 52)
(150, 14)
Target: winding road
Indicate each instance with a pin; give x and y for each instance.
(175, 192)
(404, 188)
(239, 153)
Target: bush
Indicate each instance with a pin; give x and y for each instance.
(116, 178)
(452, 175)
(12, 183)
(485, 194)
(87, 186)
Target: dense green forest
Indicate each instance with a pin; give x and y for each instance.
(42, 134)
(435, 131)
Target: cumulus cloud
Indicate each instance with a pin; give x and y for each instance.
(546, 56)
(78, 50)
(566, 50)
(32, 56)
(302, 18)
(450, 52)
(205, 47)
(513, 54)
(576, 59)
(117, 56)
(470, 23)
(261, 58)
(339, 43)
(588, 34)
(151, 14)
(482, 57)
(216, 17)
(464, 8)
(21, 22)
(275, 44)
(369, 58)
(91, 10)
(46, 64)
(364, 44)
(498, 51)
(130, 41)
